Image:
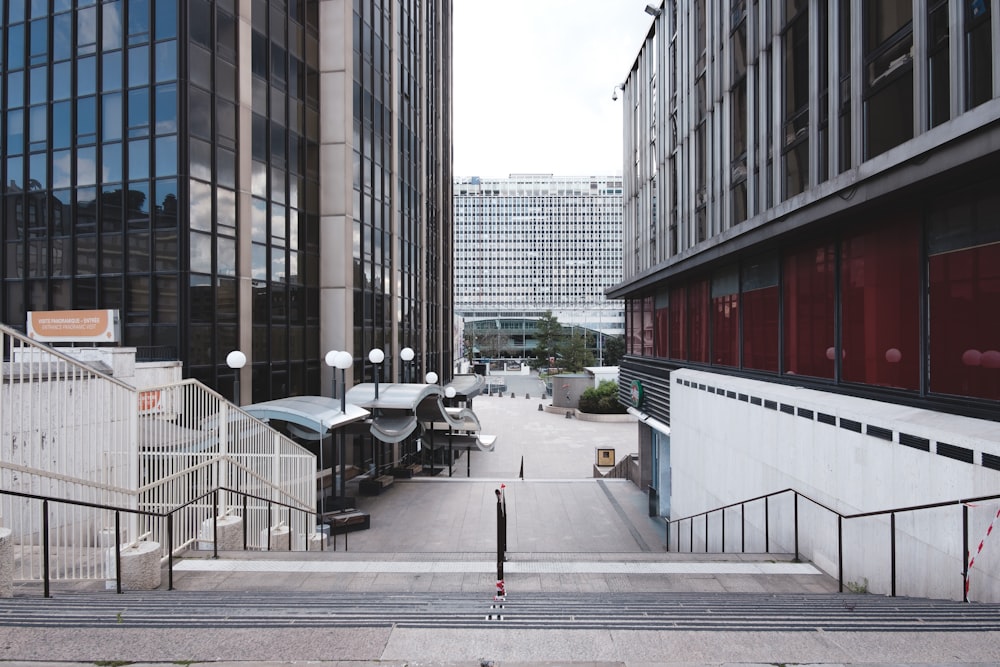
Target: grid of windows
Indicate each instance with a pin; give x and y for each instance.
(538, 242)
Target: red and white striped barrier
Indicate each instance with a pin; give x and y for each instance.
(972, 561)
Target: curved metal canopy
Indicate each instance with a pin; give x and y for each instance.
(315, 413)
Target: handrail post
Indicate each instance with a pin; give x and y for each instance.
(268, 526)
(722, 513)
(743, 528)
(892, 549)
(170, 551)
(45, 546)
(796, 525)
(246, 521)
(840, 552)
(215, 524)
(691, 535)
(666, 546)
(965, 552)
(706, 532)
(118, 551)
(767, 525)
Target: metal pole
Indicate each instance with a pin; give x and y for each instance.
(451, 458)
(723, 513)
(706, 532)
(840, 552)
(468, 462)
(215, 526)
(743, 528)
(45, 545)
(170, 550)
(767, 526)
(118, 551)
(965, 553)
(796, 525)
(892, 549)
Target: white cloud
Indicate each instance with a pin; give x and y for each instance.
(533, 81)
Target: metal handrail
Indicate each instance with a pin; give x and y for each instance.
(963, 502)
(168, 516)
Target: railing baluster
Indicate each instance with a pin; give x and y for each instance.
(796, 525)
(170, 551)
(892, 549)
(706, 532)
(118, 551)
(840, 552)
(767, 526)
(45, 545)
(743, 528)
(723, 514)
(965, 552)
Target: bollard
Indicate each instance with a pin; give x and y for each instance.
(528, 396)
(540, 407)
(567, 415)
(512, 395)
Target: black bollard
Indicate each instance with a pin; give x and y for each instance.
(527, 396)
(539, 407)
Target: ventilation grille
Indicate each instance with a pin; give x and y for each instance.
(954, 452)
(923, 444)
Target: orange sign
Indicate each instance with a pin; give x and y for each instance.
(149, 401)
(74, 326)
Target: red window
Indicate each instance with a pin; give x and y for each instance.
(760, 329)
(809, 307)
(647, 327)
(662, 327)
(633, 315)
(726, 319)
(880, 310)
(698, 302)
(965, 322)
(678, 323)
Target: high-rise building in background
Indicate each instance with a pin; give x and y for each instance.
(272, 177)
(812, 255)
(533, 243)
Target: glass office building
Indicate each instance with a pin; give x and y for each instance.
(272, 177)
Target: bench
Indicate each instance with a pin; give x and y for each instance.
(347, 521)
(407, 472)
(375, 485)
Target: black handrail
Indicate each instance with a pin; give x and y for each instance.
(168, 516)
(963, 502)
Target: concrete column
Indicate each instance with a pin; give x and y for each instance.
(141, 566)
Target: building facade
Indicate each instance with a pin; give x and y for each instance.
(533, 243)
(272, 177)
(811, 250)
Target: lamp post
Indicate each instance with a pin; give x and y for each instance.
(236, 360)
(376, 356)
(432, 378)
(342, 360)
(406, 354)
(449, 392)
(331, 361)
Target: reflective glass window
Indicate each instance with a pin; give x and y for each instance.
(86, 120)
(39, 41)
(225, 207)
(86, 76)
(111, 71)
(200, 159)
(202, 306)
(62, 79)
(112, 119)
(809, 308)
(15, 89)
(226, 248)
(138, 159)
(112, 25)
(138, 66)
(201, 252)
(15, 132)
(138, 20)
(62, 36)
(86, 30)
(62, 173)
(166, 203)
(165, 18)
(201, 205)
(166, 156)
(166, 109)
(38, 174)
(111, 162)
(38, 86)
(138, 112)
(38, 128)
(15, 46)
(760, 304)
(166, 61)
(86, 165)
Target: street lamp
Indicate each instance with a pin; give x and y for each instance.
(431, 378)
(406, 354)
(331, 361)
(342, 360)
(449, 392)
(236, 360)
(376, 356)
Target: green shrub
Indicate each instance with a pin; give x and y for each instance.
(602, 399)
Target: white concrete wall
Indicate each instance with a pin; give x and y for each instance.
(725, 449)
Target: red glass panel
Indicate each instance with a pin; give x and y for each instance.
(880, 292)
(726, 330)
(965, 322)
(647, 327)
(678, 323)
(809, 303)
(662, 332)
(698, 304)
(760, 329)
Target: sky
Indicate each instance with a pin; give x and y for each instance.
(533, 81)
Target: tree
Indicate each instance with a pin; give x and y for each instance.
(614, 350)
(575, 355)
(548, 336)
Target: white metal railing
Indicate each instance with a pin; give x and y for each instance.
(70, 431)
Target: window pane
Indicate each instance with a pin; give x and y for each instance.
(166, 109)
(166, 61)
(138, 66)
(809, 307)
(678, 323)
(760, 301)
(698, 298)
(880, 292)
